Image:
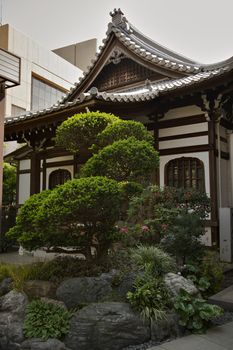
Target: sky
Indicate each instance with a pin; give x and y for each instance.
(200, 30)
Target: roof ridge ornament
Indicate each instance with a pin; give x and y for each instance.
(119, 20)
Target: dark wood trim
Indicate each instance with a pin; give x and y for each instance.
(224, 155)
(184, 136)
(194, 119)
(17, 184)
(61, 163)
(187, 149)
(35, 174)
(25, 171)
(44, 173)
(222, 139)
(156, 146)
(213, 177)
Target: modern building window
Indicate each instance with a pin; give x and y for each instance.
(58, 177)
(44, 95)
(185, 173)
(16, 110)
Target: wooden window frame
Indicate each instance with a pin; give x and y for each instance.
(179, 178)
(56, 172)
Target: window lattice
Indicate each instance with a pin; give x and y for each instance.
(185, 173)
(58, 177)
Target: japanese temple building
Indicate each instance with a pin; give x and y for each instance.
(187, 105)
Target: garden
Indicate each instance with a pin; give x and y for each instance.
(131, 269)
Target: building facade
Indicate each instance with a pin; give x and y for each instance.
(186, 105)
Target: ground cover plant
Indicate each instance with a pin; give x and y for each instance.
(46, 320)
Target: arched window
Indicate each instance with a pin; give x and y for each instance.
(186, 173)
(58, 177)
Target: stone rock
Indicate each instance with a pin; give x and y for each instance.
(165, 329)
(126, 284)
(38, 289)
(5, 286)
(12, 314)
(108, 326)
(39, 344)
(175, 282)
(83, 290)
(54, 302)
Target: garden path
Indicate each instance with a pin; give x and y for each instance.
(217, 338)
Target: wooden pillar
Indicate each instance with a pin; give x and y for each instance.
(2, 115)
(35, 174)
(156, 145)
(213, 178)
(44, 176)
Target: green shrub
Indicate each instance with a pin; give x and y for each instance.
(25, 231)
(188, 229)
(46, 320)
(80, 131)
(124, 160)
(150, 297)
(153, 260)
(18, 274)
(195, 314)
(9, 184)
(122, 130)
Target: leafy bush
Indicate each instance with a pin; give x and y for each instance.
(195, 314)
(150, 297)
(80, 131)
(80, 214)
(9, 184)
(46, 320)
(26, 231)
(188, 229)
(122, 130)
(153, 260)
(124, 160)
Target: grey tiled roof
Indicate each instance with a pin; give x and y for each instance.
(144, 93)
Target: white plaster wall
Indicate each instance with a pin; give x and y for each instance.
(186, 111)
(203, 156)
(41, 61)
(185, 129)
(59, 159)
(24, 187)
(25, 164)
(189, 141)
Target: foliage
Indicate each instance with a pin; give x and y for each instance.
(187, 228)
(124, 160)
(153, 260)
(206, 274)
(80, 213)
(46, 320)
(18, 274)
(80, 131)
(157, 209)
(9, 184)
(25, 231)
(150, 297)
(195, 314)
(122, 130)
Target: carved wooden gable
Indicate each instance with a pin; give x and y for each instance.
(123, 72)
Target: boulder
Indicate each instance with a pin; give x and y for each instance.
(108, 326)
(175, 282)
(5, 286)
(39, 344)
(84, 290)
(165, 329)
(12, 313)
(54, 302)
(38, 289)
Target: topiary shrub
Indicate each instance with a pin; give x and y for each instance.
(80, 131)
(26, 230)
(81, 214)
(46, 320)
(124, 160)
(9, 184)
(122, 130)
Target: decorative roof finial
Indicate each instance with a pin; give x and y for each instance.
(117, 16)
